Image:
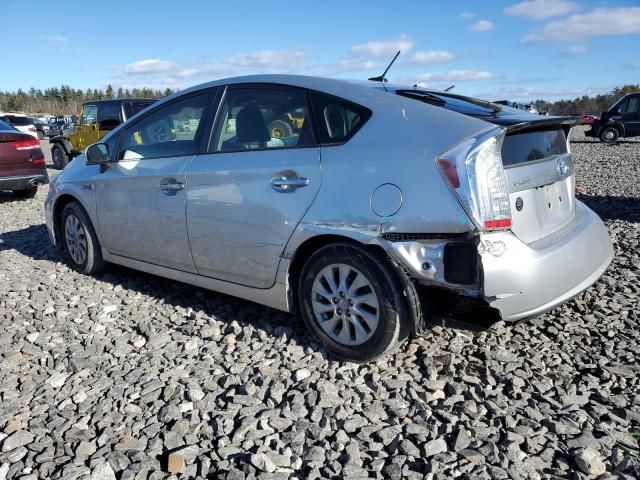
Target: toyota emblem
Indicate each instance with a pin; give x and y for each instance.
(562, 167)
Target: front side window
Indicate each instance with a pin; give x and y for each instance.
(89, 115)
(337, 119)
(170, 130)
(631, 105)
(262, 118)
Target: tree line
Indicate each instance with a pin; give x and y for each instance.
(585, 104)
(65, 100)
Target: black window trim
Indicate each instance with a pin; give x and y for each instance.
(212, 93)
(264, 86)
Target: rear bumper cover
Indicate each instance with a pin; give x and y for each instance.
(23, 182)
(527, 280)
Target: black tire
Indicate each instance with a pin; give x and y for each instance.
(396, 300)
(280, 129)
(59, 156)
(27, 193)
(40, 135)
(93, 262)
(609, 135)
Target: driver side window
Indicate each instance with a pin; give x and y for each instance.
(170, 131)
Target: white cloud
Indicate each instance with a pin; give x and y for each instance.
(599, 22)
(454, 76)
(57, 41)
(269, 59)
(482, 26)
(527, 94)
(466, 15)
(541, 9)
(150, 66)
(383, 48)
(430, 57)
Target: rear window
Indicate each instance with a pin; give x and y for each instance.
(531, 146)
(19, 121)
(108, 116)
(133, 107)
(337, 119)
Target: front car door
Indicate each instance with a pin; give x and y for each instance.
(88, 129)
(141, 198)
(246, 196)
(630, 115)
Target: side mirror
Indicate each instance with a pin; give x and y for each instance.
(97, 154)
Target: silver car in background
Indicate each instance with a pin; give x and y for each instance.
(364, 207)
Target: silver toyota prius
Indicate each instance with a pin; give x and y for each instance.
(364, 207)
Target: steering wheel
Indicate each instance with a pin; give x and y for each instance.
(158, 132)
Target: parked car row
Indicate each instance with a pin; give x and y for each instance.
(380, 200)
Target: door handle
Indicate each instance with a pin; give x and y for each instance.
(170, 186)
(284, 184)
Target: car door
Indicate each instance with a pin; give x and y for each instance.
(141, 198)
(247, 195)
(630, 116)
(88, 129)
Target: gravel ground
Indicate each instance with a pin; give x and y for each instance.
(128, 375)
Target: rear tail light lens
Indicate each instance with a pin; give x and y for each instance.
(30, 144)
(473, 168)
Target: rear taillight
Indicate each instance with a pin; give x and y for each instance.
(30, 144)
(38, 160)
(32, 129)
(473, 168)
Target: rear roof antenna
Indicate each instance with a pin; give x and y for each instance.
(382, 78)
(449, 88)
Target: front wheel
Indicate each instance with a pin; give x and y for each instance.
(609, 135)
(80, 240)
(59, 156)
(352, 300)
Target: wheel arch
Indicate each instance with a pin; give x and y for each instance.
(57, 209)
(304, 251)
(63, 142)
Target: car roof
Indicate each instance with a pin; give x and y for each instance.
(113, 100)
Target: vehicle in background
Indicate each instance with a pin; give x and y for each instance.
(22, 167)
(42, 129)
(589, 119)
(620, 121)
(96, 119)
(20, 122)
(387, 200)
(520, 106)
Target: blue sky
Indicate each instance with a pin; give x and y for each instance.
(519, 50)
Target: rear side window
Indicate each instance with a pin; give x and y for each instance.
(132, 107)
(20, 121)
(262, 118)
(108, 116)
(337, 119)
(5, 126)
(532, 146)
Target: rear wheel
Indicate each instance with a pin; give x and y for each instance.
(27, 193)
(80, 240)
(353, 301)
(59, 156)
(40, 135)
(609, 135)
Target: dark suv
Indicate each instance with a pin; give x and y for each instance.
(621, 120)
(96, 120)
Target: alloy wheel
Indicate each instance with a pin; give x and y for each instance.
(345, 304)
(76, 239)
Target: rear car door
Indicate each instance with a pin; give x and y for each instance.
(141, 198)
(246, 196)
